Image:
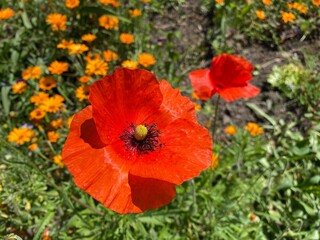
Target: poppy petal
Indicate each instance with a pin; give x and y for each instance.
(186, 150)
(173, 106)
(230, 71)
(231, 94)
(201, 83)
(86, 157)
(148, 193)
(126, 96)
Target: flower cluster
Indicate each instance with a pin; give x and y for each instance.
(271, 21)
(252, 128)
(52, 83)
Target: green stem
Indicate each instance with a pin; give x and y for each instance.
(214, 127)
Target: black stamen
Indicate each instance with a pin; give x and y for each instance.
(148, 144)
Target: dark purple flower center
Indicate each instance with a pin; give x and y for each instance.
(141, 145)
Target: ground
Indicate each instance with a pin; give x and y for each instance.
(193, 22)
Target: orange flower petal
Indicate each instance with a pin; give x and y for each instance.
(173, 106)
(148, 193)
(121, 98)
(230, 71)
(186, 150)
(234, 93)
(91, 163)
(201, 83)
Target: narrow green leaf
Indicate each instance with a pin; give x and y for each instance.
(5, 99)
(260, 112)
(44, 223)
(24, 16)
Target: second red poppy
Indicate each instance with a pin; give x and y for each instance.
(228, 76)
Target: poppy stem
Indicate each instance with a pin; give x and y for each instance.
(214, 127)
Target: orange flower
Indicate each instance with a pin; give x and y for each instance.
(288, 17)
(230, 130)
(69, 121)
(267, 2)
(64, 44)
(47, 83)
(197, 107)
(56, 123)
(72, 3)
(88, 37)
(195, 96)
(37, 114)
(58, 160)
(38, 99)
(110, 2)
(254, 129)
(260, 14)
(58, 68)
(316, 2)
(6, 13)
(52, 104)
(77, 48)
(53, 136)
(31, 72)
(130, 64)
(145, 1)
(96, 66)
(146, 59)
(126, 38)
(21, 135)
(301, 8)
(85, 79)
(214, 161)
(33, 147)
(57, 21)
(110, 56)
(135, 12)
(82, 92)
(19, 87)
(219, 1)
(109, 22)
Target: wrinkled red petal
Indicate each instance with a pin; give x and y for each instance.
(231, 94)
(173, 106)
(127, 96)
(86, 157)
(201, 83)
(186, 150)
(230, 71)
(148, 193)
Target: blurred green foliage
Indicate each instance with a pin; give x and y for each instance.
(298, 81)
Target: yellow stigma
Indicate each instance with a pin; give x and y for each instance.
(140, 132)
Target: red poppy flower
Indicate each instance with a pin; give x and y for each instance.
(136, 142)
(228, 76)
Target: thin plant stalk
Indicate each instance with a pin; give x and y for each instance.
(216, 110)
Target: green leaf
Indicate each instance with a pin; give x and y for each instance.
(24, 16)
(310, 211)
(5, 99)
(44, 223)
(260, 112)
(101, 11)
